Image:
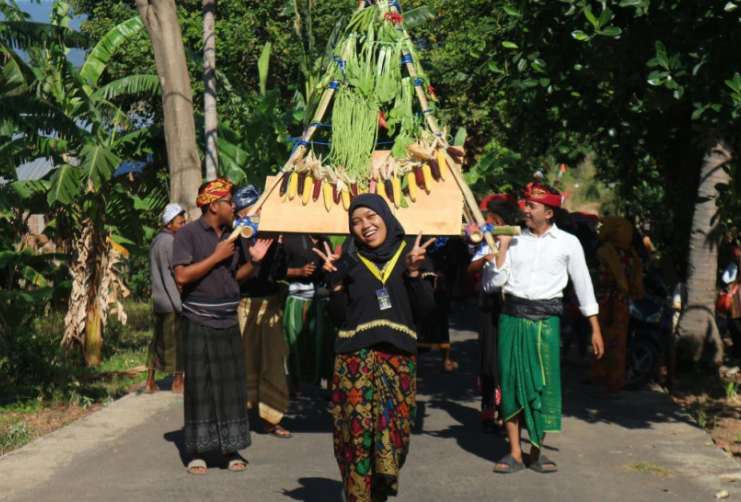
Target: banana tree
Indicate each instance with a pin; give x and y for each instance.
(66, 115)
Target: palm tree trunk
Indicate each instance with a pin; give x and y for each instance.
(160, 18)
(699, 336)
(209, 81)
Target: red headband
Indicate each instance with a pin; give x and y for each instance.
(537, 192)
(496, 197)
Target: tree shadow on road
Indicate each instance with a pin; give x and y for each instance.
(316, 490)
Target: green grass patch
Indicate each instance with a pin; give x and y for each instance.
(647, 468)
(36, 372)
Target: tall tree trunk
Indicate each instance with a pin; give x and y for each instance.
(699, 336)
(160, 18)
(209, 81)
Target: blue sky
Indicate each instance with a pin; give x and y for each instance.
(40, 12)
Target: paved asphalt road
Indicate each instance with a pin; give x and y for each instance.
(133, 450)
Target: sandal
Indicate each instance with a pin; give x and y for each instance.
(234, 461)
(543, 465)
(512, 465)
(197, 463)
(276, 431)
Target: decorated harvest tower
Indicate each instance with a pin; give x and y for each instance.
(383, 138)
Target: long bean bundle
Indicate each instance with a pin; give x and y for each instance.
(354, 134)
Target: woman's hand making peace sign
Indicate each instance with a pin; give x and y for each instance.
(330, 259)
(416, 256)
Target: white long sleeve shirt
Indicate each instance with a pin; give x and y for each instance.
(538, 268)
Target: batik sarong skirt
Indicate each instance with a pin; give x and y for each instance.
(215, 399)
(261, 323)
(373, 412)
(530, 373)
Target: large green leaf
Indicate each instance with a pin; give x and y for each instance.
(65, 184)
(263, 65)
(98, 58)
(134, 84)
(97, 164)
(417, 17)
(35, 116)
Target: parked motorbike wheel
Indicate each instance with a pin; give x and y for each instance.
(641, 364)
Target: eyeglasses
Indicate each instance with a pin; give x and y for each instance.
(230, 202)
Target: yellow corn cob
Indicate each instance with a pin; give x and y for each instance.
(396, 183)
(327, 191)
(362, 189)
(428, 177)
(443, 165)
(293, 185)
(346, 200)
(412, 184)
(308, 189)
(380, 189)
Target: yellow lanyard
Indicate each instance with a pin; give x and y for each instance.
(387, 268)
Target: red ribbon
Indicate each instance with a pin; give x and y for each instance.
(394, 18)
(432, 91)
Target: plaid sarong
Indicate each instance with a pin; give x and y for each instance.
(165, 349)
(215, 389)
(530, 373)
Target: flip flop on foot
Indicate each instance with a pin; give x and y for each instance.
(543, 465)
(234, 462)
(197, 466)
(508, 465)
(279, 432)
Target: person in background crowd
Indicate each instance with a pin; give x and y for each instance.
(434, 330)
(165, 351)
(261, 323)
(307, 328)
(533, 270)
(578, 324)
(377, 293)
(500, 210)
(208, 270)
(620, 279)
(732, 279)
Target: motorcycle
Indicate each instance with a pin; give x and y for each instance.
(649, 332)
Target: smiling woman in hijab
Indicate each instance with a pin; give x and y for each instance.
(620, 279)
(377, 298)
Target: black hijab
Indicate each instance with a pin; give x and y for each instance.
(394, 231)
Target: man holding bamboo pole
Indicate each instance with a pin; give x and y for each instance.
(533, 270)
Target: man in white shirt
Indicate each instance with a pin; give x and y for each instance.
(533, 270)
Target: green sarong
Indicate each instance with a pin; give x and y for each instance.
(309, 335)
(530, 373)
(165, 349)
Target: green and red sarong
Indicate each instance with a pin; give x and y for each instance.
(374, 409)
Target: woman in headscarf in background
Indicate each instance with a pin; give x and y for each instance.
(377, 298)
(620, 279)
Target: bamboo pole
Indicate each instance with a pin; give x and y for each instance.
(469, 199)
(297, 153)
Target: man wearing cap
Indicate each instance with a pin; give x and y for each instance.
(261, 324)
(165, 353)
(533, 270)
(209, 270)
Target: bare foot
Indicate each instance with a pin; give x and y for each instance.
(178, 385)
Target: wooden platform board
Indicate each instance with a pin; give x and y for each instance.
(438, 213)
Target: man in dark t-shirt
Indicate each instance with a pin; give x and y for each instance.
(207, 268)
